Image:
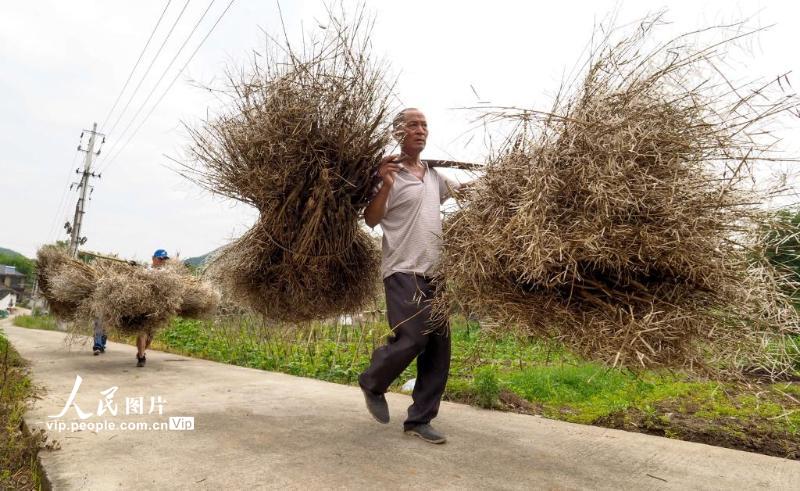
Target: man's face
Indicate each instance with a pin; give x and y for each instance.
(412, 133)
(159, 262)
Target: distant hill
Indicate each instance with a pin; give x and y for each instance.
(199, 260)
(9, 257)
(9, 252)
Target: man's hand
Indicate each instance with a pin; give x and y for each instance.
(390, 166)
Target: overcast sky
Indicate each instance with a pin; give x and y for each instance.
(63, 64)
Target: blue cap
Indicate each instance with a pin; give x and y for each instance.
(161, 254)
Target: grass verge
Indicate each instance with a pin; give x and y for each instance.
(45, 322)
(19, 468)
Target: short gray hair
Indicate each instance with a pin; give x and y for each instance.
(399, 119)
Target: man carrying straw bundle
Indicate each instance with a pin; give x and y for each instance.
(143, 340)
(407, 206)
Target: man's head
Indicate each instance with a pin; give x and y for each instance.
(160, 257)
(410, 129)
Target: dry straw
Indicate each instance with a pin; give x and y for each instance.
(135, 300)
(199, 299)
(300, 141)
(65, 282)
(622, 221)
(125, 298)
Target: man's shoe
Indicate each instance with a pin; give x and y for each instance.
(426, 432)
(376, 405)
(140, 360)
(96, 351)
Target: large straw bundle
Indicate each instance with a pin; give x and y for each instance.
(618, 222)
(301, 143)
(65, 282)
(255, 272)
(135, 300)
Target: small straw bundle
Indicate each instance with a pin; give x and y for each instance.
(126, 298)
(198, 299)
(301, 144)
(621, 224)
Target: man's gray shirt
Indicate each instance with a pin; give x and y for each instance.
(412, 224)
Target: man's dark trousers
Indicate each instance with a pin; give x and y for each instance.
(415, 335)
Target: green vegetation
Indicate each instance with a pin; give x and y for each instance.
(18, 464)
(486, 386)
(518, 375)
(45, 322)
(784, 235)
(336, 355)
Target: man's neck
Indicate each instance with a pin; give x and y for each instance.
(412, 160)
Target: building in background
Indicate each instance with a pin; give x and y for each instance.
(11, 279)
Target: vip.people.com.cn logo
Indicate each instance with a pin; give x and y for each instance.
(107, 406)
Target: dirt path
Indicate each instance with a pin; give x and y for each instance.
(256, 429)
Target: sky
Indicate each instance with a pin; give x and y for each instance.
(64, 64)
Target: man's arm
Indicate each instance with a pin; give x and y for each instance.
(377, 207)
(450, 188)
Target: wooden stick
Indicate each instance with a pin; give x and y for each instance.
(453, 164)
(100, 256)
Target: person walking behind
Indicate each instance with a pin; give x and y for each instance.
(159, 260)
(99, 337)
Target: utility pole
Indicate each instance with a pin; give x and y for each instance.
(74, 229)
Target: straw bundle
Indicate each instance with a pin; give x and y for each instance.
(135, 300)
(198, 299)
(126, 298)
(255, 272)
(620, 221)
(64, 282)
(301, 141)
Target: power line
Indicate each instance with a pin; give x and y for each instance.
(148, 68)
(155, 86)
(136, 65)
(61, 202)
(177, 75)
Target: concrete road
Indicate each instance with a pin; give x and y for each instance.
(256, 429)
